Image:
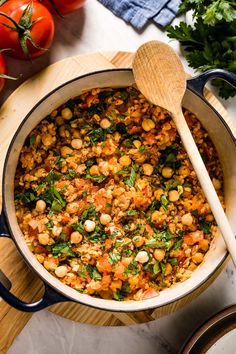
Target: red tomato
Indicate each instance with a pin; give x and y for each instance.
(3, 71)
(63, 7)
(32, 33)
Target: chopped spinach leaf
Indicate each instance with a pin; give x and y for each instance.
(118, 295)
(172, 185)
(154, 206)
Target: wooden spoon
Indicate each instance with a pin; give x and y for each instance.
(160, 76)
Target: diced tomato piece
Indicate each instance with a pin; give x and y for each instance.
(149, 230)
(108, 243)
(103, 264)
(67, 230)
(41, 249)
(119, 272)
(193, 237)
(149, 138)
(106, 281)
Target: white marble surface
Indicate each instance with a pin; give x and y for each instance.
(91, 29)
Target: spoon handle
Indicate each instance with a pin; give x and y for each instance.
(205, 182)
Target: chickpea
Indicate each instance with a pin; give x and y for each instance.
(66, 113)
(61, 271)
(197, 257)
(148, 124)
(59, 120)
(105, 219)
(125, 160)
(216, 184)
(204, 245)
(167, 172)
(50, 263)
(56, 231)
(105, 123)
(72, 207)
(40, 258)
(65, 151)
(77, 144)
(209, 217)
(142, 257)
(137, 143)
(159, 254)
(40, 206)
(184, 171)
(187, 219)
(43, 238)
(94, 170)
(147, 169)
(173, 196)
(47, 139)
(76, 237)
(168, 269)
(158, 193)
(138, 241)
(89, 225)
(192, 266)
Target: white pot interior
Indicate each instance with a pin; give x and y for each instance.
(227, 154)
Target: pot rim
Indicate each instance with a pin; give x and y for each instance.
(121, 306)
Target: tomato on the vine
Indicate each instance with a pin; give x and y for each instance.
(63, 7)
(26, 27)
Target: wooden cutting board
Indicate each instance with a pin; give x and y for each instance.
(25, 283)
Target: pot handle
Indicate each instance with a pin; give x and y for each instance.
(50, 296)
(198, 83)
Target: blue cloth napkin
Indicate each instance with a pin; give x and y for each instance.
(139, 12)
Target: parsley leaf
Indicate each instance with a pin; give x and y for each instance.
(63, 248)
(114, 257)
(93, 272)
(96, 178)
(210, 41)
(130, 181)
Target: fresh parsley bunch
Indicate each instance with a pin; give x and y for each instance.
(211, 41)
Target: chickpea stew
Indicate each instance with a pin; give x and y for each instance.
(107, 198)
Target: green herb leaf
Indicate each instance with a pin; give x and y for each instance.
(52, 177)
(27, 197)
(70, 174)
(96, 178)
(164, 202)
(54, 198)
(93, 272)
(131, 212)
(130, 181)
(173, 261)
(49, 225)
(156, 268)
(96, 135)
(114, 257)
(62, 249)
(177, 244)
